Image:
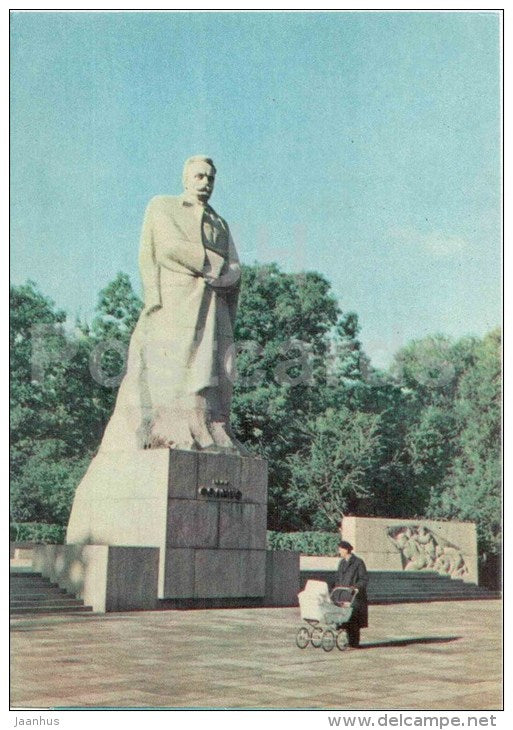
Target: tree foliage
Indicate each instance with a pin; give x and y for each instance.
(454, 430)
(283, 327)
(58, 410)
(44, 489)
(332, 469)
(471, 487)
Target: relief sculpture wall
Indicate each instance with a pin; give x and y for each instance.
(421, 549)
(401, 544)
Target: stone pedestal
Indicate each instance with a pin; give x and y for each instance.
(107, 578)
(206, 513)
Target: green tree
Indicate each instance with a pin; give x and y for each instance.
(58, 409)
(350, 363)
(42, 491)
(34, 402)
(453, 431)
(116, 315)
(471, 489)
(394, 493)
(431, 368)
(282, 330)
(355, 385)
(428, 373)
(117, 310)
(47, 421)
(430, 449)
(331, 472)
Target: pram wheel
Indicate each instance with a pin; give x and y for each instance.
(342, 640)
(328, 640)
(317, 637)
(303, 637)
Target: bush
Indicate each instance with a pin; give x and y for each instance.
(307, 543)
(37, 532)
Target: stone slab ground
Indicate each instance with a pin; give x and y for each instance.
(414, 656)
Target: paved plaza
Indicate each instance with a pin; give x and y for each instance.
(414, 656)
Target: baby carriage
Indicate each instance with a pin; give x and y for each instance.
(325, 615)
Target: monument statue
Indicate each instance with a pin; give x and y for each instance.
(178, 386)
(171, 495)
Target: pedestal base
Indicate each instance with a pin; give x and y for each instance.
(206, 513)
(107, 578)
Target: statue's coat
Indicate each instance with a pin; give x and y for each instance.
(181, 343)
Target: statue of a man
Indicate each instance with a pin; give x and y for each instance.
(177, 390)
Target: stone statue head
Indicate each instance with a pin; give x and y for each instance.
(198, 177)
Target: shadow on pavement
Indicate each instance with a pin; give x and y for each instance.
(413, 640)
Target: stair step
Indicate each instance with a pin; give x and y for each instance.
(51, 609)
(431, 595)
(33, 588)
(440, 598)
(39, 591)
(28, 586)
(392, 575)
(408, 574)
(443, 586)
(432, 592)
(17, 571)
(411, 587)
(31, 593)
(46, 601)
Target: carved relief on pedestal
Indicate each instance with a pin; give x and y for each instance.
(421, 549)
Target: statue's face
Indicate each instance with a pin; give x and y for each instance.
(199, 180)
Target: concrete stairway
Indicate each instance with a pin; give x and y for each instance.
(410, 587)
(31, 593)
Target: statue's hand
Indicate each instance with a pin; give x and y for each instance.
(225, 283)
(223, 291)
(151, 308)
(219, 287)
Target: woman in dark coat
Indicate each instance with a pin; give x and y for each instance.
(352, 572)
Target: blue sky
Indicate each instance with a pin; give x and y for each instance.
(364, 145)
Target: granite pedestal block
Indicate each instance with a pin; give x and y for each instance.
(206, 513)
(282, 578)
(108, 578)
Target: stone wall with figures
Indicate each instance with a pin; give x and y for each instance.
(448, 548)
